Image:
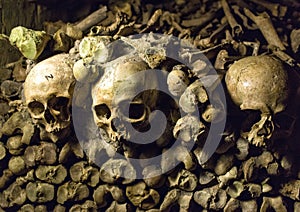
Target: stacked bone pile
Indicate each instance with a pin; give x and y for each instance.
(254, 48)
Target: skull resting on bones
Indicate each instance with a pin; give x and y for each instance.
(48, 89)
(117, 102)
(259, 83)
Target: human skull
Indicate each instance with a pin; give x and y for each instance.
(258, 83)
(117, 102)
(48, 90)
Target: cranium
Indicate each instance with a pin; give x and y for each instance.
(117, 102)
(48, 90)
(258, 83)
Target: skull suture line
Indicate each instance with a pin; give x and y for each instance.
(48, 89)
(259, 83)
(115, 91)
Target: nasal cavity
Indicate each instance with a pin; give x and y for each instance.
(48, 116)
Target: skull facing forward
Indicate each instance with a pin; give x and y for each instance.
(48, 89)
(118, 102)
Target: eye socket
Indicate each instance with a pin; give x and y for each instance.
(136, 111)
(36, 107)
(102, 110)
(56, 103)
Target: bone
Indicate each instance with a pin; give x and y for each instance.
(295, 40)
(103, 191)
(184, 180)
(236, 28)
(243, 148)
(110, 174)
(232, 174)
(194, 94)
(264, 159)
(115, 206)
(71, 191)
(235, 189)
(211, 198)
(87, 205)
(177, 81)
(71, 148)
(153, 176)
(14, 195)
(6, 178)
(188, 128)
(224, 163)
(2, 151)
(39, 192)
(45, 153)
(185, 201)
(275, 203)
(59, 208)
(141, 196)
(186, 157)
(170, 199)
(51, 174)
(14, 145)
(82, 172)
(232, 205)
(40, 208)
(206, 177)
(17, 165)
(255, 190)
(287, 163)
(27, 207)
(249, 169)
(276, 9)
(19, 120)
(291, 189)
(265, 25)
(23, 180)
(153, 19)
(237, 11)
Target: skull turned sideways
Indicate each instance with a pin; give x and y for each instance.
(117, 102)
(259, 83)
(48, 90)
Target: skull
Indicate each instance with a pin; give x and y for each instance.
(258, 83)
(117, 102)
(48, 89)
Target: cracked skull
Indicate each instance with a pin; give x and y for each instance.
(118, 105)
(258, 83)
(47, 90)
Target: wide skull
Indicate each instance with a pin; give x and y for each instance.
(120, 100)
(48, 90)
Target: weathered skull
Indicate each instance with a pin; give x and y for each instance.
(258, 83)
(48, 89)
(117, 101)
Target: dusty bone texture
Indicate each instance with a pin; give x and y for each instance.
(142, 196)
(19, 120)
(259, 83)
(40, 192)
(83, 172)
(72, 191)
(109, 98)
(51, 174)
(48, 90)
(45, 153)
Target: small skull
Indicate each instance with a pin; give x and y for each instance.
(114, 92)
(258, 83)
(48, 89)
